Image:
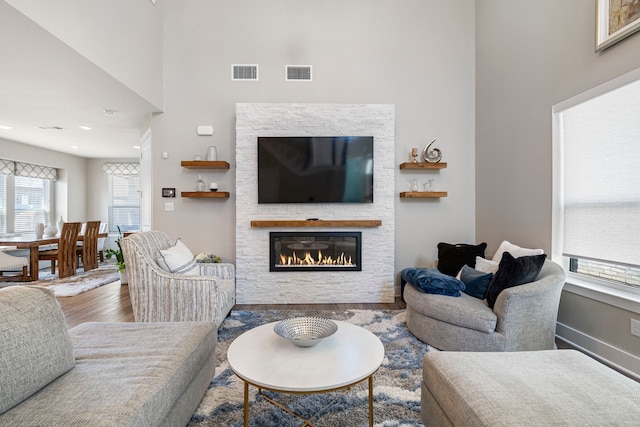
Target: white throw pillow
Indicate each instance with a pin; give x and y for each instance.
(179, 259)
(486, 265)
(514, 250)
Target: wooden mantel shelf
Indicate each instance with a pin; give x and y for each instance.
(205, 164)
(318, 223)
(423, 165)
(205, 194)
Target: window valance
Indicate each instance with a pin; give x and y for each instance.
(121, 169)
(9, 167)
(36, 171)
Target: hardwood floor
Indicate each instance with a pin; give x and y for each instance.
(111, 303)
(108, 303)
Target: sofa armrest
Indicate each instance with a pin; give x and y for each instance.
(529, 312)
(220, 270)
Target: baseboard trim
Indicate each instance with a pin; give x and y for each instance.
(620, 360)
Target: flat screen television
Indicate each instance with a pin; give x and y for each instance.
(319, 169)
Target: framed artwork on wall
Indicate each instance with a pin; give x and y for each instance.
(615, 20)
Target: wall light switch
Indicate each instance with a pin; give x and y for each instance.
(169, 206)
(635, 327)
(165, 155)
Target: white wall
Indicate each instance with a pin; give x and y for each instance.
(123, 37)
(530, 56)
(418, 57)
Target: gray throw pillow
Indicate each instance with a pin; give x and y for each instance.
(476, 282)
(35, 345)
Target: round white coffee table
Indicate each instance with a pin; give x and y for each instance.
(265, 360)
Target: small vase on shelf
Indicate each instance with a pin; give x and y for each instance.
(212, 153)
(200, 184)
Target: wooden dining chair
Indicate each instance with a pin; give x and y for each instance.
(65, 254)
(88, 251)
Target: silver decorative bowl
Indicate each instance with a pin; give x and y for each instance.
(305, 331)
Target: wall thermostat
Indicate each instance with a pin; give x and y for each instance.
(205, 130)
(168, 192)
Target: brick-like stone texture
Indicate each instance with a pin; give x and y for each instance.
(255, 284)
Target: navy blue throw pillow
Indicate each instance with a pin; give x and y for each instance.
(431, 281)
(476, 282)
(513, 272)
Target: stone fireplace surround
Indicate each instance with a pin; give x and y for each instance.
(255, 284)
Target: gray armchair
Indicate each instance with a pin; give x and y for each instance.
(160, 296)
(523, 318)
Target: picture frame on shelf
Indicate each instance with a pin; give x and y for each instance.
(615, 20)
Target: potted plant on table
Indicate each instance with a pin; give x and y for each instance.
(119, 258)
(203, 259)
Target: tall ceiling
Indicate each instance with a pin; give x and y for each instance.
(48, 90)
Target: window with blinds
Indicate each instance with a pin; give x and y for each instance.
(124, 209)
(32, 203)
(598, 183)
(3, 204)
(26, 195)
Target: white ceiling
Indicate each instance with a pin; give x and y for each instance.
(45, 83)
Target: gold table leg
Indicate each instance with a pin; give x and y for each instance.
(306, 422)
(371, 401)
(246, 404)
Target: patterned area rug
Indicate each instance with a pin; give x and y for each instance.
(81, 282)
(396, 384)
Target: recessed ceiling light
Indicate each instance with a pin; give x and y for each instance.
(137, 147)
(110, 113)
(4, 127)
(75, 147)
(83, 127)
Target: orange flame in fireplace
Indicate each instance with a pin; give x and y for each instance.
(308, 259)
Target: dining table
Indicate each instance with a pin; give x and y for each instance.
(33, 243)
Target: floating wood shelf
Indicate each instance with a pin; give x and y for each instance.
(423, 165)
(423, 194)
(205, 164)
(205, 194)
(318, 223)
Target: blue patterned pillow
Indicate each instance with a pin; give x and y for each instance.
(431, 281)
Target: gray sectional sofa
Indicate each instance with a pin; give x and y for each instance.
(97, 374)
(525, 388)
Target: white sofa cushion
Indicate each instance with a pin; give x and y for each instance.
(515, 250)
(178, 259)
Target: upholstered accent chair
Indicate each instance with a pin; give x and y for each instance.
(10, 263)
(161, 296)
(523, 317)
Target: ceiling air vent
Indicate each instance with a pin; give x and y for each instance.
(298, 73)
(244, 72)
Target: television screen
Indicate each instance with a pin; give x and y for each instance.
(324, 169)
